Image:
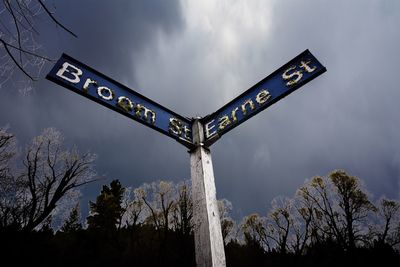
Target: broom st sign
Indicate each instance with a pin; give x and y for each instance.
(81, 79)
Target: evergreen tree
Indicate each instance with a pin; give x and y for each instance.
(72, 224)
(107, 212)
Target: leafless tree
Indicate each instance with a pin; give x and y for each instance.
(254, 230)
(183, 209)
(18, 37)
(159, 200)
(341, 206)
(7, 150)
(300, 225)
(48, 174)
(387, 229)
(301, 228)
(169, 206)
(133, 206)
(227, 223)
(287, 227)
(280, 223)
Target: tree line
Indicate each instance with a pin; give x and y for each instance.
(330, 220)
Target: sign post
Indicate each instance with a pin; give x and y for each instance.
(196, 134)
(207, 226)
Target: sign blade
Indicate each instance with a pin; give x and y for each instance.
(82, 79)
(285, 80)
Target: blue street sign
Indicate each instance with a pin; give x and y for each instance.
(92, 84)
(271, 89)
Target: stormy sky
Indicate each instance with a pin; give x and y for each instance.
(195, 56)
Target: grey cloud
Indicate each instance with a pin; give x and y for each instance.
(110, 37)
(347, 118)
(344, 119)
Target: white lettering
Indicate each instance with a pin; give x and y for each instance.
(287, 76)
(125, 103)
(208, 129)
(251, 105)
(304, 65)
(263, 97)
(76, 74)
(105, 93)
(138, 112)
(223, 122)
(87, 83)
(175, 126)
(233, 113)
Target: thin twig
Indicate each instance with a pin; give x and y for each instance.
(10, 9)
(55, 20)
(15, 61)
(22, 13)
(25, 51)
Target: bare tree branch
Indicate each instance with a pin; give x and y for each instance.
(55, 20)
(16, 24)
(49, 174)
(15, 61)
(18, 38)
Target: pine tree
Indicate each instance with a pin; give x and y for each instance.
(72, 224)
(107, 211)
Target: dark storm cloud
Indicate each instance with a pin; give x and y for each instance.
(196, 56)
(111, 35)
(347, 118)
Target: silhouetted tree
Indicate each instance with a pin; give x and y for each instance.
(301, 229)
(227, 223)
(159, 199)
(7, 150)
(30, 195)
(133, 206)
(387, 230)
(106, 213)
(296, 232)
(72, 224)
(183, 209)
(341, 206)
(280, 225)
(45, 227)
(255, 232)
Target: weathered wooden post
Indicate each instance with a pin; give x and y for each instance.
(207, 226)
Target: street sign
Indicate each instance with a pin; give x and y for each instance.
(271, 89)
(196, 134)
(81, 79)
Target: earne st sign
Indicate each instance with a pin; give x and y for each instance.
(271, 89)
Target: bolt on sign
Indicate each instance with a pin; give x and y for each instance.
(198, 134)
